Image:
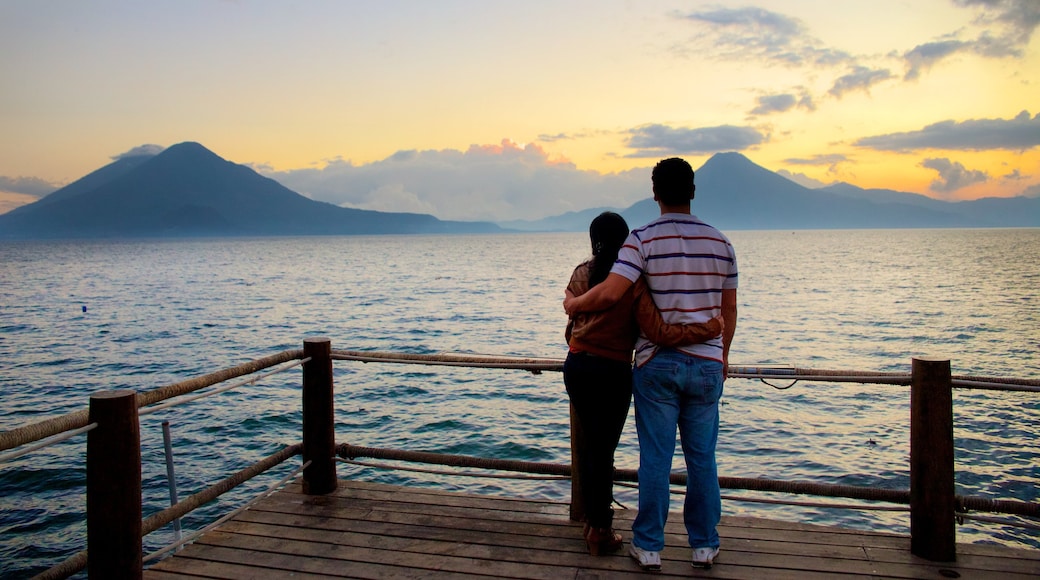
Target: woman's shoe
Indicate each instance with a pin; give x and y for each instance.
(602, 540)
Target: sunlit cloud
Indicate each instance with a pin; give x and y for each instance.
(1015, 175)
(495, 182)
(829, 160)
(1018, 19)
(546, 138)
(923, 57)
(661, 140)
(861, 78)
(783, 102)
(1006, 29)
(32, 186)
(759, 34)
(1001, 28)
(586, 134)
(774, 104)
(952, 175)
(12, 200)
(822, 159)
(1020, 133)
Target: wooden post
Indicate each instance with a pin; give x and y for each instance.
(577, 503)
(933, 533)
(319, 435)
(114, 487)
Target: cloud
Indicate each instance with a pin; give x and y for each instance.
(952, 175)
(546, 138)
(925, 56)
(1017, 19)
(1015, 175)
(861, 78)
(660, 140)
(830, 160)
(756, 33)
(774, 104)
(1031, 191)
(498, 182)
(1006, 29)
(1020, 133)
(140, 150)
(32, 186)
(10, 200)
(779, 103)
(822, 159)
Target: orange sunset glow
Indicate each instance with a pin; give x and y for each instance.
(936, 97)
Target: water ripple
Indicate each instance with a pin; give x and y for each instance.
(161, 312)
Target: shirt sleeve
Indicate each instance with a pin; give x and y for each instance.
(663, 334)
(630, 261)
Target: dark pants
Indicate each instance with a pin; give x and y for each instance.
(600, 391)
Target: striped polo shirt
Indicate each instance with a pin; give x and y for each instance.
(687, 263)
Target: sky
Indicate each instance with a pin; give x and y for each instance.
(494, 110)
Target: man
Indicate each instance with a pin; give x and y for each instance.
(691, 269)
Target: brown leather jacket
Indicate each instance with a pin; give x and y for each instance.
(612, 333)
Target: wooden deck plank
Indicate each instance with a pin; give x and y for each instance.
(370, 530)
(566, 552)
(565, 539)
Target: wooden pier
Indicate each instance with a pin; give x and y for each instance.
(326, 527)
(369, 530)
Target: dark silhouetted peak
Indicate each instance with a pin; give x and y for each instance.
(187, 190)
(731, 162)
(728, 158)
(189, 152)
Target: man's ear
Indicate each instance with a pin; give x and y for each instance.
(693, 190)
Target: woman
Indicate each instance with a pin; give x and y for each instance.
(598, 373)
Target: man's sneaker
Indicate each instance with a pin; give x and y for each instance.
(648, 561)
(704, 557)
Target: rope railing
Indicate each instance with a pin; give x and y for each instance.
(78, 562)
(452, 473)
(79, 419)
(250, 381)
(537, 365)
(626, 478)
(965, 503)
(266, 493)
(46, 443)
(321, 456)
(626, 484)
(999, 521)
(166, 516)
(534, 365)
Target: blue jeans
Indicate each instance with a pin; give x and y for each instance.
(675, 389)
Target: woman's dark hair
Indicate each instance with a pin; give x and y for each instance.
(607, 232)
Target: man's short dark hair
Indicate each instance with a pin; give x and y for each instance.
(673, 181)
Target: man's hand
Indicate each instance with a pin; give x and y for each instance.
(568, 298)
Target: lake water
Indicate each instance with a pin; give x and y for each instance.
(86, 316)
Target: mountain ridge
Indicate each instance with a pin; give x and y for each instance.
(734, 193)
(187, 190)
